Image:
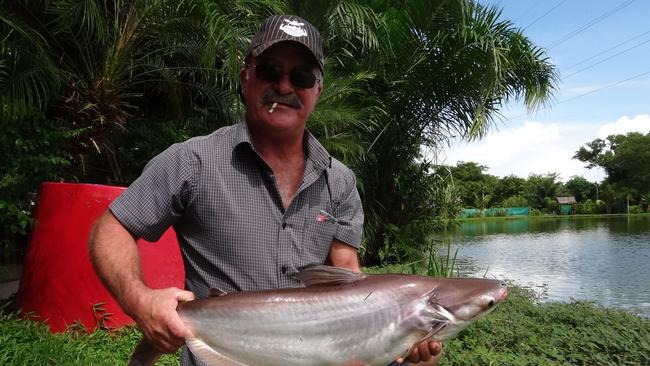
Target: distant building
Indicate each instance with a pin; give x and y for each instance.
(569, 200)
(567, 204)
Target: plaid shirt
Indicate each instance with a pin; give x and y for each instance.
(222, 200)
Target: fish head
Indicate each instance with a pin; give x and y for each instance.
(452, 304)
(467, 298)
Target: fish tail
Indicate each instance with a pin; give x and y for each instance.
(144, 354)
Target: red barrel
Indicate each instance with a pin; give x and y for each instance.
(58, 284)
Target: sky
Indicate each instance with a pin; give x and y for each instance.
(601, 49)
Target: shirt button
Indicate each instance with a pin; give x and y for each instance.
(284, 225)
(284, 269)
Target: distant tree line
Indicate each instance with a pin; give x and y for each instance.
(91, 90)
(625, 159)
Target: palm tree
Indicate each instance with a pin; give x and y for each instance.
(29, 75)
(98, 66)
(399, 76)
(445, 69)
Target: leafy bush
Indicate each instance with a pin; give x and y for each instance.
(521, 332)
(591, 207)
(137, 145)
(32, 150)
(14, 224)
(515, 201)
(423, 204)
(635, 209)
(551, 206)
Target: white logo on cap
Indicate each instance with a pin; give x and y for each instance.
(293, 28)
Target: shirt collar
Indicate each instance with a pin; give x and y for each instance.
(241, 135)
(314, 150)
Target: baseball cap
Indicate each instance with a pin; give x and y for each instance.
(280, 28)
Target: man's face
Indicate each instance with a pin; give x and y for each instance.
(294, 103)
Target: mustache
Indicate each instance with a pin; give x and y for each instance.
(273, 97)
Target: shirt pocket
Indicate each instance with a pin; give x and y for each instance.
(316, 241)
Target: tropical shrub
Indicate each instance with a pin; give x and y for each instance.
(32, 150)
(126, 78)
(515, 201)
(635, 209)
(591, 207)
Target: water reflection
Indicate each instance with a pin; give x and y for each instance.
(605, 260)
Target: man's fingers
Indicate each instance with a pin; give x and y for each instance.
(163, 342)
(423, 351)
(159, 320)
(185, 296)
(414, 356)
(435, 347)
(178, 329)
(170, 347)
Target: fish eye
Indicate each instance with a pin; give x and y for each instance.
(491, 303)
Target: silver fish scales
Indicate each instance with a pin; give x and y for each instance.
(339, 318)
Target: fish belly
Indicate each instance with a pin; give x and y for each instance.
(327, 331)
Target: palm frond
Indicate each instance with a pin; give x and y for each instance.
(30, 76)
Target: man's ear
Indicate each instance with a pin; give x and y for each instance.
(320, 89)
(243, 78)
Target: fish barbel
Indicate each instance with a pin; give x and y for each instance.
(340, 317)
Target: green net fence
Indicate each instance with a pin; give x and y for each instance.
(496, 211)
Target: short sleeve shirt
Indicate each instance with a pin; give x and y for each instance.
(223, 202)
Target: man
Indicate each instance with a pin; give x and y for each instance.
(250, 203)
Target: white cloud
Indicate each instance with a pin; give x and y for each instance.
(533, 148)
(623, 125)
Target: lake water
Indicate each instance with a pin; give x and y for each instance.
(606, 260)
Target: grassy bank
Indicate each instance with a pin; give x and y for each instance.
(518, 332)
(522, 332)
(24, 342)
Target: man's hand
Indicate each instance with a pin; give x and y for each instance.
(155, 313)
(115, 257)
(425, 353)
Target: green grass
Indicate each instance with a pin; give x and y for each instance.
(518, 332)
(24, 342)
(522, 332)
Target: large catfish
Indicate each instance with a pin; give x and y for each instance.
(339, 318)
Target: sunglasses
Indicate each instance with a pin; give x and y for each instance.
(300, 78)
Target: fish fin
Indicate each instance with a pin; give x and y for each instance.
(208, 355)
(144, 354)
(216, 292)
(322, 275)
(437, 327)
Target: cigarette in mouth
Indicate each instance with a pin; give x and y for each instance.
(275, 104)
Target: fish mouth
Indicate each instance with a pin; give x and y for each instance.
(503, 293)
